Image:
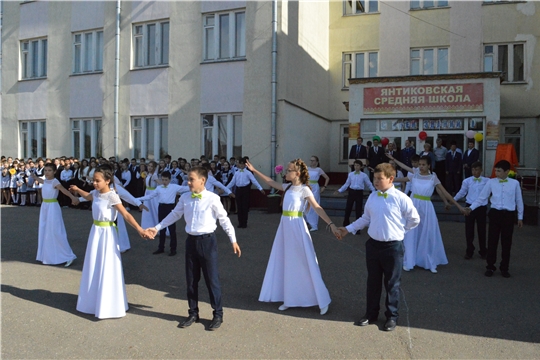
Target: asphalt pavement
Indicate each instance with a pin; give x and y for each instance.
(457, 313)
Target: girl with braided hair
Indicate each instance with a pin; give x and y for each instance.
(293, 275)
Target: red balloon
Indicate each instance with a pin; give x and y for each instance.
(384, 142)
(422, 135)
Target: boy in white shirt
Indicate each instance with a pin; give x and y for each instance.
(390, 214)
(201, 209)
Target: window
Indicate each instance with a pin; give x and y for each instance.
(513, 134)
(359, 65)
(222, 135)
(353, 7)
(429, 61)
(428, 4)
(151, 44)
(149, 137)
(33, 58)
(509, 59)
(33, 139)
(86, 139)
(344, 154)
(224, 35)
(87, 52)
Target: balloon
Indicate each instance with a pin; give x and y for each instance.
(422, 135)
(376, 137)
(470, 134)
(384, 142)
(478, 137)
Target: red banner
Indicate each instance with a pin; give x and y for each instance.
(424, 98)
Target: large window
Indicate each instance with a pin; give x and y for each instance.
(429, 61)
(428, 4)
(344, 144)
(224, 35)
(149, 137)
(88, 51)
(33, 139)
(359, 65)
(86, 138)
(513, 134)
(509, 59)
(353, 7)
(151, 44)
(33, 58)
(222, 135)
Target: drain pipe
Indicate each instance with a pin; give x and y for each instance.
(116, 77)
(274, 89)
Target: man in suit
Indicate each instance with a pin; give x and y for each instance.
(407, 152)
(392, 151)
(470, 157)
(453, 169)
(376, 155)
(358, 151)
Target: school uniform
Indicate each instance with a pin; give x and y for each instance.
(389, 216)
(505, 199)
(356, 182)
(175, 176)
(357, 152)
(166, 196)
(243, 179)
(470, 157)
(376, 156)
(470, 189)
(65, 178)
(201, 212)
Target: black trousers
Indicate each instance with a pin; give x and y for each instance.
(201, 255)
(453, 181)
(355, 197)
(440, 171)
(478, 215)
(384, 261)
(501, 224)
(242, 203)
(163, 211)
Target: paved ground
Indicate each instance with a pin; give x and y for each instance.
(457, 313)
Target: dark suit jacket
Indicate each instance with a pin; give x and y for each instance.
(376, 158)
(453, 165)
(469, 160)
(395, 154)
(361, 155)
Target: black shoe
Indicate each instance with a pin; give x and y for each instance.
(189, 321)
(215, 324)
(505, 274)
(158, 251)
(467, 257)
(389, 325)
(365, 321)
(172, 253)
(489, 273)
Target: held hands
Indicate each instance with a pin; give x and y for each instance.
(75, 201)
(74, 189)
(467, 211)
(335, 231)
(149, 233)
(236, 249)
(142, 206)
(343, 232)
(262, 192)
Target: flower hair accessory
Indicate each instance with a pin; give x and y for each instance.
(278, 169)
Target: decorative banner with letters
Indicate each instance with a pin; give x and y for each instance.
(424, 98)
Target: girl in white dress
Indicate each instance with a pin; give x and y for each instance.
(53, 246)
(423, 245)
(293, 275)
(102, 291)
(315, 172)
(150, 218)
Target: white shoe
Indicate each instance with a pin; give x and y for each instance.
(313, 229)
(283, 308)
(406, 268)
(433, 271)
(324, 310)
(69, 263)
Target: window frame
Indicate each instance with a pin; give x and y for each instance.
(521, 151)
(421, 59)
(344, 143)
(27, 128)
(352, 62)
(79, 132)
(233, 133)
(142, 60)
(367, 6)
(30, 62)
(437, 4)
(160, 125)
(510, 61)
(236, 49)
(95, 49)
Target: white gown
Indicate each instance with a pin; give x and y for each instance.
(102, 291)
(423, 244)
(311, 217)
(150, 218)
(293, 275)
(53, 246)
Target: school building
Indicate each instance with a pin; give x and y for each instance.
(274, 80)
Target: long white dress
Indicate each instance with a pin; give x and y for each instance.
(311, 217)
(102, 291)
(53, 245)
(423, 244)
(293, 275)
(150, 218)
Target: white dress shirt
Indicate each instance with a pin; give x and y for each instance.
(505, 195)
(212, 183)
(472, 187)
(242, 177)
(357, 181)
(166, 194)
(389, 218)
(200, 215)
(126, 175)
